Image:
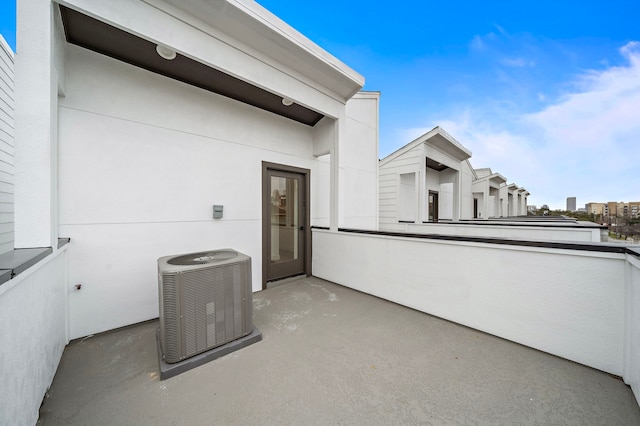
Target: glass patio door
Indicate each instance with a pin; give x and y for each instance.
(285, 230)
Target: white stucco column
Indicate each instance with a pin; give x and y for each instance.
(334, 203)
(457, 197)
(36, 90)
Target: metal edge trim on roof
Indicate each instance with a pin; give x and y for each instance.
(266, 18)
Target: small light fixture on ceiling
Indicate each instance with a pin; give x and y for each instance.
(165, 52)
(287, 102)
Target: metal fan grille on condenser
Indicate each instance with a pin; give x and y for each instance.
(203, 257)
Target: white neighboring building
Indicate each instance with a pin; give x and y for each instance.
(514, 200)
(486, 190)
(136, 117)
(522, 206)
(7, 170)
(432, 180)
(427, 180)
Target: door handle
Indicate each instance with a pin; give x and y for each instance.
(302, 228)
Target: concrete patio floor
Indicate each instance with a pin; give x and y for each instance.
(331, 355)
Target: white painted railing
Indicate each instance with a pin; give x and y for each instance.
(578, 304)
(33, 334)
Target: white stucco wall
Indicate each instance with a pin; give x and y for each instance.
(502, 202)
(481, 212)
(509, 196)
(39, 70)
(449, 195)
(142, 160)
(568, 303)
(466, 195)
(33, 334)
(359, 163)
(389, 183)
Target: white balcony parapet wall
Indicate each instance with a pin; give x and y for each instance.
(542, 232)
(567, 302)
(631, 373)
(33, 334)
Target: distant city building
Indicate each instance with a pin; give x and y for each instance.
(571, 204)
(531, 209)
(614, 208)
(611, 209)
(596, 208)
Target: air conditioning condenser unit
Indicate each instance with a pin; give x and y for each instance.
(205, 302)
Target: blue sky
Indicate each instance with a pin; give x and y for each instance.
(547, 93)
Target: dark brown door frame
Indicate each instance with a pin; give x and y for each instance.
(435, 206)
(266, 215)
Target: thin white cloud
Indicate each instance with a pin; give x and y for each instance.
(585, 144)
(591, 136)
(630, 50)
(501, 30)
(477, 43)
(517, 62)
(604, 114)
(496, 147)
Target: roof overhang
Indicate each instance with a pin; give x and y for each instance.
(447, 144)
(495, 178)
(438, 138)
(498, 179)
(252, 25)
(247, 21)
(433, 164)
(483, 172)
